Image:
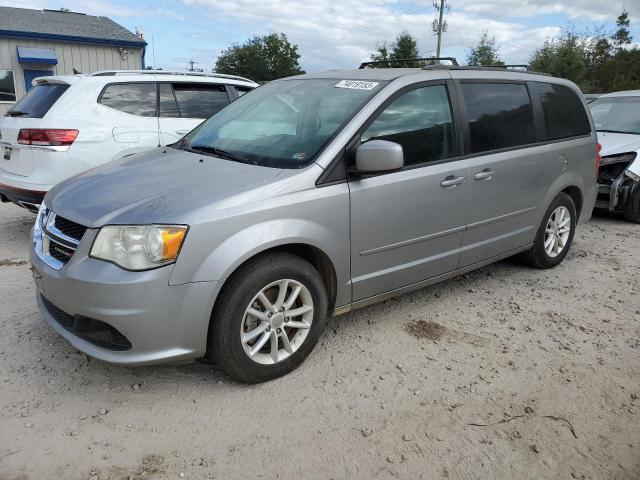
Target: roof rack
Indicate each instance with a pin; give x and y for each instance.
(110, 73)
(388, 63)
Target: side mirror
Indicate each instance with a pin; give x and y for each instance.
(378, 156)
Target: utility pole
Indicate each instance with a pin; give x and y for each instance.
(439, 25)
(191, 66)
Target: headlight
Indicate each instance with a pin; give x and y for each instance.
(138, 247)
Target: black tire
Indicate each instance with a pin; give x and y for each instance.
(225, 345)
(537, 256)
(632, 209)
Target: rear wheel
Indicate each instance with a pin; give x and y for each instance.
(269, 318)
(555, 234)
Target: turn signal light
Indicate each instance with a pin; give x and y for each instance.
(598, 159)
(47, 137)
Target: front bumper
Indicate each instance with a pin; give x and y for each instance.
(162, 323)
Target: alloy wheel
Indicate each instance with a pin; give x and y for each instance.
(557, 231)
(277, 321)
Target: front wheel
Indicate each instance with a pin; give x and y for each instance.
(269, 318)
(555, 234)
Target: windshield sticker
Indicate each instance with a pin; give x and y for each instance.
(356, 84)
(299, 156)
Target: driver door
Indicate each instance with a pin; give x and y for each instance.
(407, 226)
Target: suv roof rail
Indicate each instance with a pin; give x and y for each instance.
(453, 60)
(111, 73)
(493, 68)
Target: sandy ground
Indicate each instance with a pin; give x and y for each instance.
(505, 373)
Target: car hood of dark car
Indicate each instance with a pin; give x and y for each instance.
(160, 186)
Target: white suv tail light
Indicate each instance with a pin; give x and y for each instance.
(47, 137)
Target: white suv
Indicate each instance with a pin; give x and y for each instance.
(68, 124)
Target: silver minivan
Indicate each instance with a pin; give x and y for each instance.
(311, 196)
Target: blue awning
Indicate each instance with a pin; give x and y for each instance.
(37, 55)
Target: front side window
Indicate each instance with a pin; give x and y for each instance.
(616, 114)
(134, 98)
(564, 113)
(200, 101)
(419, 120)
(283, 124)
(7, 86)
(500, 115)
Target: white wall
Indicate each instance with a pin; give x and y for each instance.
(84, 58)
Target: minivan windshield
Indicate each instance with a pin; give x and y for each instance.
(283, 124)
(616, 114)
(38, 101)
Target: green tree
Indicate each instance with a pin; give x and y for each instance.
(597, 61)
(599, 52)
(622, 36)
(485, 53)
(404, 47)
(262, 59)
(625, 71)
(564, 57)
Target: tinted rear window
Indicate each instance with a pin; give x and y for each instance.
(500, 115)
(564, 113)
(200, 101)
(134, 98)
(38, 101)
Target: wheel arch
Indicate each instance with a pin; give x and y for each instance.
(312, 254)
(573, 185)
(576, 195)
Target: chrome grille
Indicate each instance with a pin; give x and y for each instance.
(56, 238)
(69, 228)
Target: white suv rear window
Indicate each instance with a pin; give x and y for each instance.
(38, 101)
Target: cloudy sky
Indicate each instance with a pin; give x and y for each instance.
(341, 33)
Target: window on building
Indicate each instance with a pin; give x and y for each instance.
(7, 86)
(420, 121)
(134, 98)
(564, 113)
(500, 115)
(200, 100)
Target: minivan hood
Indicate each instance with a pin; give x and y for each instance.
(615, 143)
(160, 186)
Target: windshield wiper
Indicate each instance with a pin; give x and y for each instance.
(617, 131)
(219, 152)
(16, 113)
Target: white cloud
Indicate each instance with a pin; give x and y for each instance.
(341, 34)
(589, 10)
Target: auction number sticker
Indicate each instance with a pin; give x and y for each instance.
(356, 84)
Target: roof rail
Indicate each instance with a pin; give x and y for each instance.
(388, 63)
(109, 73)
(493, 68)
(508, 66)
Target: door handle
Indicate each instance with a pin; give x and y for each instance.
(451, 181)
(486, 174)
